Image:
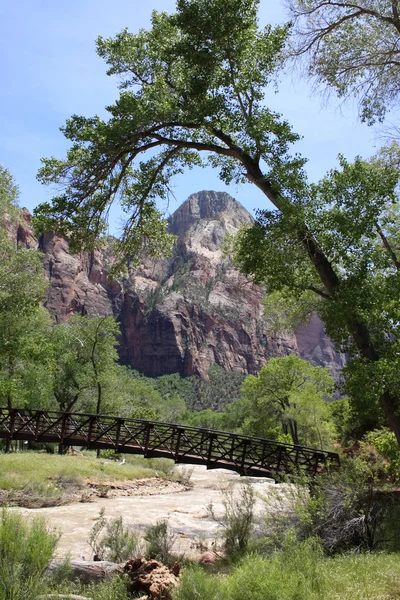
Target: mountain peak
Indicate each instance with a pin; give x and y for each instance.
(208, 205)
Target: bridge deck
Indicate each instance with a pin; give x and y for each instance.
(214, 449)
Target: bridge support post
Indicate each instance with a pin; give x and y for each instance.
(11, 430)
(90, 431)
(210, 449)
(38, 416)
(120, 422)
(147, 438)
(178, 442)
(243, 460)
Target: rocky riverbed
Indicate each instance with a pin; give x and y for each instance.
(144, 505)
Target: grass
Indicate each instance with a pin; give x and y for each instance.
(52, 477)
(299, 572)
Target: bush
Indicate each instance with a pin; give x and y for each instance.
(160, 542)
(238, 519)
(291, 574)
(347, 511)
(25, 552)
(196, 585)
(387, 452)
(299, 571)
(111, 540)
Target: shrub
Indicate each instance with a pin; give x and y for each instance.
(294, 573)
(111, 540)
(160, 541)
(196, 585)
(347, 511)
(384, 442)
(238, 519)
(291, 574)
(25, 551)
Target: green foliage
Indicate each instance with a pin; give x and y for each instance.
(352, 48)
(384, 442)
(25, 551)
(348, 511)
(222, 388)
(352, 213)
(207, 419)
(179, 85)
(196, 584)
(85, 364)
(298, 572)
(160, 541)
(292, 574)
(109, 589)
(8, 196)
(111, 540)
(343, 419)
(237, 522)
(24, 324)
(292, 392)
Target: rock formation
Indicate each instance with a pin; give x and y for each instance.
(182, 314)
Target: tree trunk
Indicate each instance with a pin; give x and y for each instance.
(88, 571)
(98, 407)
(330, 280)
(360, 334)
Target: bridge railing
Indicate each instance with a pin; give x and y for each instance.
(215, 449)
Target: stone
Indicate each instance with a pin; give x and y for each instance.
(152, 577)
(182, 314)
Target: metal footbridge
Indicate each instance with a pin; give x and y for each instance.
(246, 455)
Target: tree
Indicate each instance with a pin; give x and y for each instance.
(292, 392)
(352, 46)
(351, 212)
(85, 357)
(24, 323)
(134, 396)
(192, 93)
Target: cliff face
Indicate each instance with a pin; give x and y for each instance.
(185, 313)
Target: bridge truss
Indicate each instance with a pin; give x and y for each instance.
(215, 449)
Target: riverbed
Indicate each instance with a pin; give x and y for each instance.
(185, 510)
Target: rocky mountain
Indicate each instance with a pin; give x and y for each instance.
(183, 314)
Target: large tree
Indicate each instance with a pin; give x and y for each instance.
(24, 323)
(192, 92)
(292, 392)
(85, 359)
(352, 46)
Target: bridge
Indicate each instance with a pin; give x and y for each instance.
(246, 455)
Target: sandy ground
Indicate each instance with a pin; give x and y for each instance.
(186, 511)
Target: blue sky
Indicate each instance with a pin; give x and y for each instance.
(49, 71)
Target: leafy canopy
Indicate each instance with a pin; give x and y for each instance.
(292, 392)
(352, 46)
(24, 323)
(190, 94)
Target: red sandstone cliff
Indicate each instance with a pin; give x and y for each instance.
(185, 313)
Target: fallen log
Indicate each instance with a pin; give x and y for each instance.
(88, 571)
(149, 576)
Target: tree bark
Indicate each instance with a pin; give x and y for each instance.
(88, 571)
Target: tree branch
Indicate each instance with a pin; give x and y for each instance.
(388, 247)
